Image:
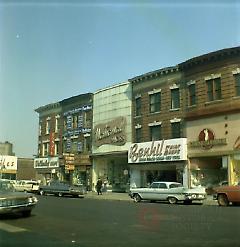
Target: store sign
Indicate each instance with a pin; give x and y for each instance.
(8, 162)
(52, 144)
(111, 133)
(206, 140)
(157, 151)
(46, 162)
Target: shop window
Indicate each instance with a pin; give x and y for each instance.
(176, 129)
(155, 133)
(138, 106)
(192, 94)
(237, 84)
(175, 98)
(138, 135)
(214, 89)
(155, 102)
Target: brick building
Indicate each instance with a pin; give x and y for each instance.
(212, 90)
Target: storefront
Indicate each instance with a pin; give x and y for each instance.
(48, 169)
(164, 160)
(8, 167)
(214, 150)
(112, 137)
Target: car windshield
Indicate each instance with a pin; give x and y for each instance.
(6, 186)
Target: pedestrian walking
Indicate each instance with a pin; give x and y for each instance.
(99, 186)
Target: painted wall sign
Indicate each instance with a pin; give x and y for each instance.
(46, 162)
(8, 162)
(156, 151)
(79, 109)
(206, 140)
(113, 132)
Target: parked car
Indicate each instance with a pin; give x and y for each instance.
(227, 194)
(31, 186)
(12, 202)
(62, 189)
(172, 192)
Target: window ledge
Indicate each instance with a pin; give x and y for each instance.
(175, 109)
(192, 106)
(156, 112)
(138, 116)
(213, 102)
(236, 97)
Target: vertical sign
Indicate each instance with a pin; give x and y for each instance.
(52, 144)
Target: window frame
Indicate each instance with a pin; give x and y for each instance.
(175, 102)
(214, 89)
(138, 106)
(178, 131)
(153, 128)
(155, 102)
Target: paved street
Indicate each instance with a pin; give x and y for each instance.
(92, 222)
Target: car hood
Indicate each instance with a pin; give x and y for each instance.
(12, 195)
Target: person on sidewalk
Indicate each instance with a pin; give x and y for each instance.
(99, 186)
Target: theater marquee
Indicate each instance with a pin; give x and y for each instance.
(156, 151)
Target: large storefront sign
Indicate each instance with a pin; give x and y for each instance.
(155, 151)
(206, 140)
(113, 132)
(8, 162)
(46, 162)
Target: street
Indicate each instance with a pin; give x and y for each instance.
(88, 222)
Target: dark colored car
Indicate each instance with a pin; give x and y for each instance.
(62, 189)
(227, 194)
(12, 202)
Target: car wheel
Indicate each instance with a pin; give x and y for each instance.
(41, 192)
(26, 213)
(60, 194)
(223, 200)
(172, 200)
(137, 198)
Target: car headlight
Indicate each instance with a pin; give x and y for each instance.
(32, 199)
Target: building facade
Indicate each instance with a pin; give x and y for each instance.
(159, 134)
(48, 162)
(112, 136)
(77, 138)
(212, 87)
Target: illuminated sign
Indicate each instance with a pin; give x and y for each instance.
(156, 151)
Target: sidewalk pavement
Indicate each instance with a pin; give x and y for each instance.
(126, 197)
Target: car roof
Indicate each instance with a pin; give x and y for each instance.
(166, 182)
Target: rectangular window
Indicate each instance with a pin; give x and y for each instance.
(214, 90)
(237, 84)
(192, 94)
(138, 106)
(56, 149)
(176, 130)
(45, 149)
(155, 133)
(138, 135)
(155, 102)
(175, 98)
(56, 125)
(47, 126)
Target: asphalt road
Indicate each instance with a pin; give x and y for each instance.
(89, 222)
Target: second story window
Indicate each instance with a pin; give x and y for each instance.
(155, 133)
(155, 102)
(192, 94)
(175, 98)
(237, 84)
(214, 91)
(138, 106)
(138, 134)
(176, 129)
(45, 149)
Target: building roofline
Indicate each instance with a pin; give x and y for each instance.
(112, 86)
(210, 56)
(154, 74)
(47, 107)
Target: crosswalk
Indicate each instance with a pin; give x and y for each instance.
(10, 228)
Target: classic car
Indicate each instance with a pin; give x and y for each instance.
(227, 194)
(62, 189)
(31, 186)
(12, 202)
(172, 192)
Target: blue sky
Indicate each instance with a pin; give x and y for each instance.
(52, 50)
